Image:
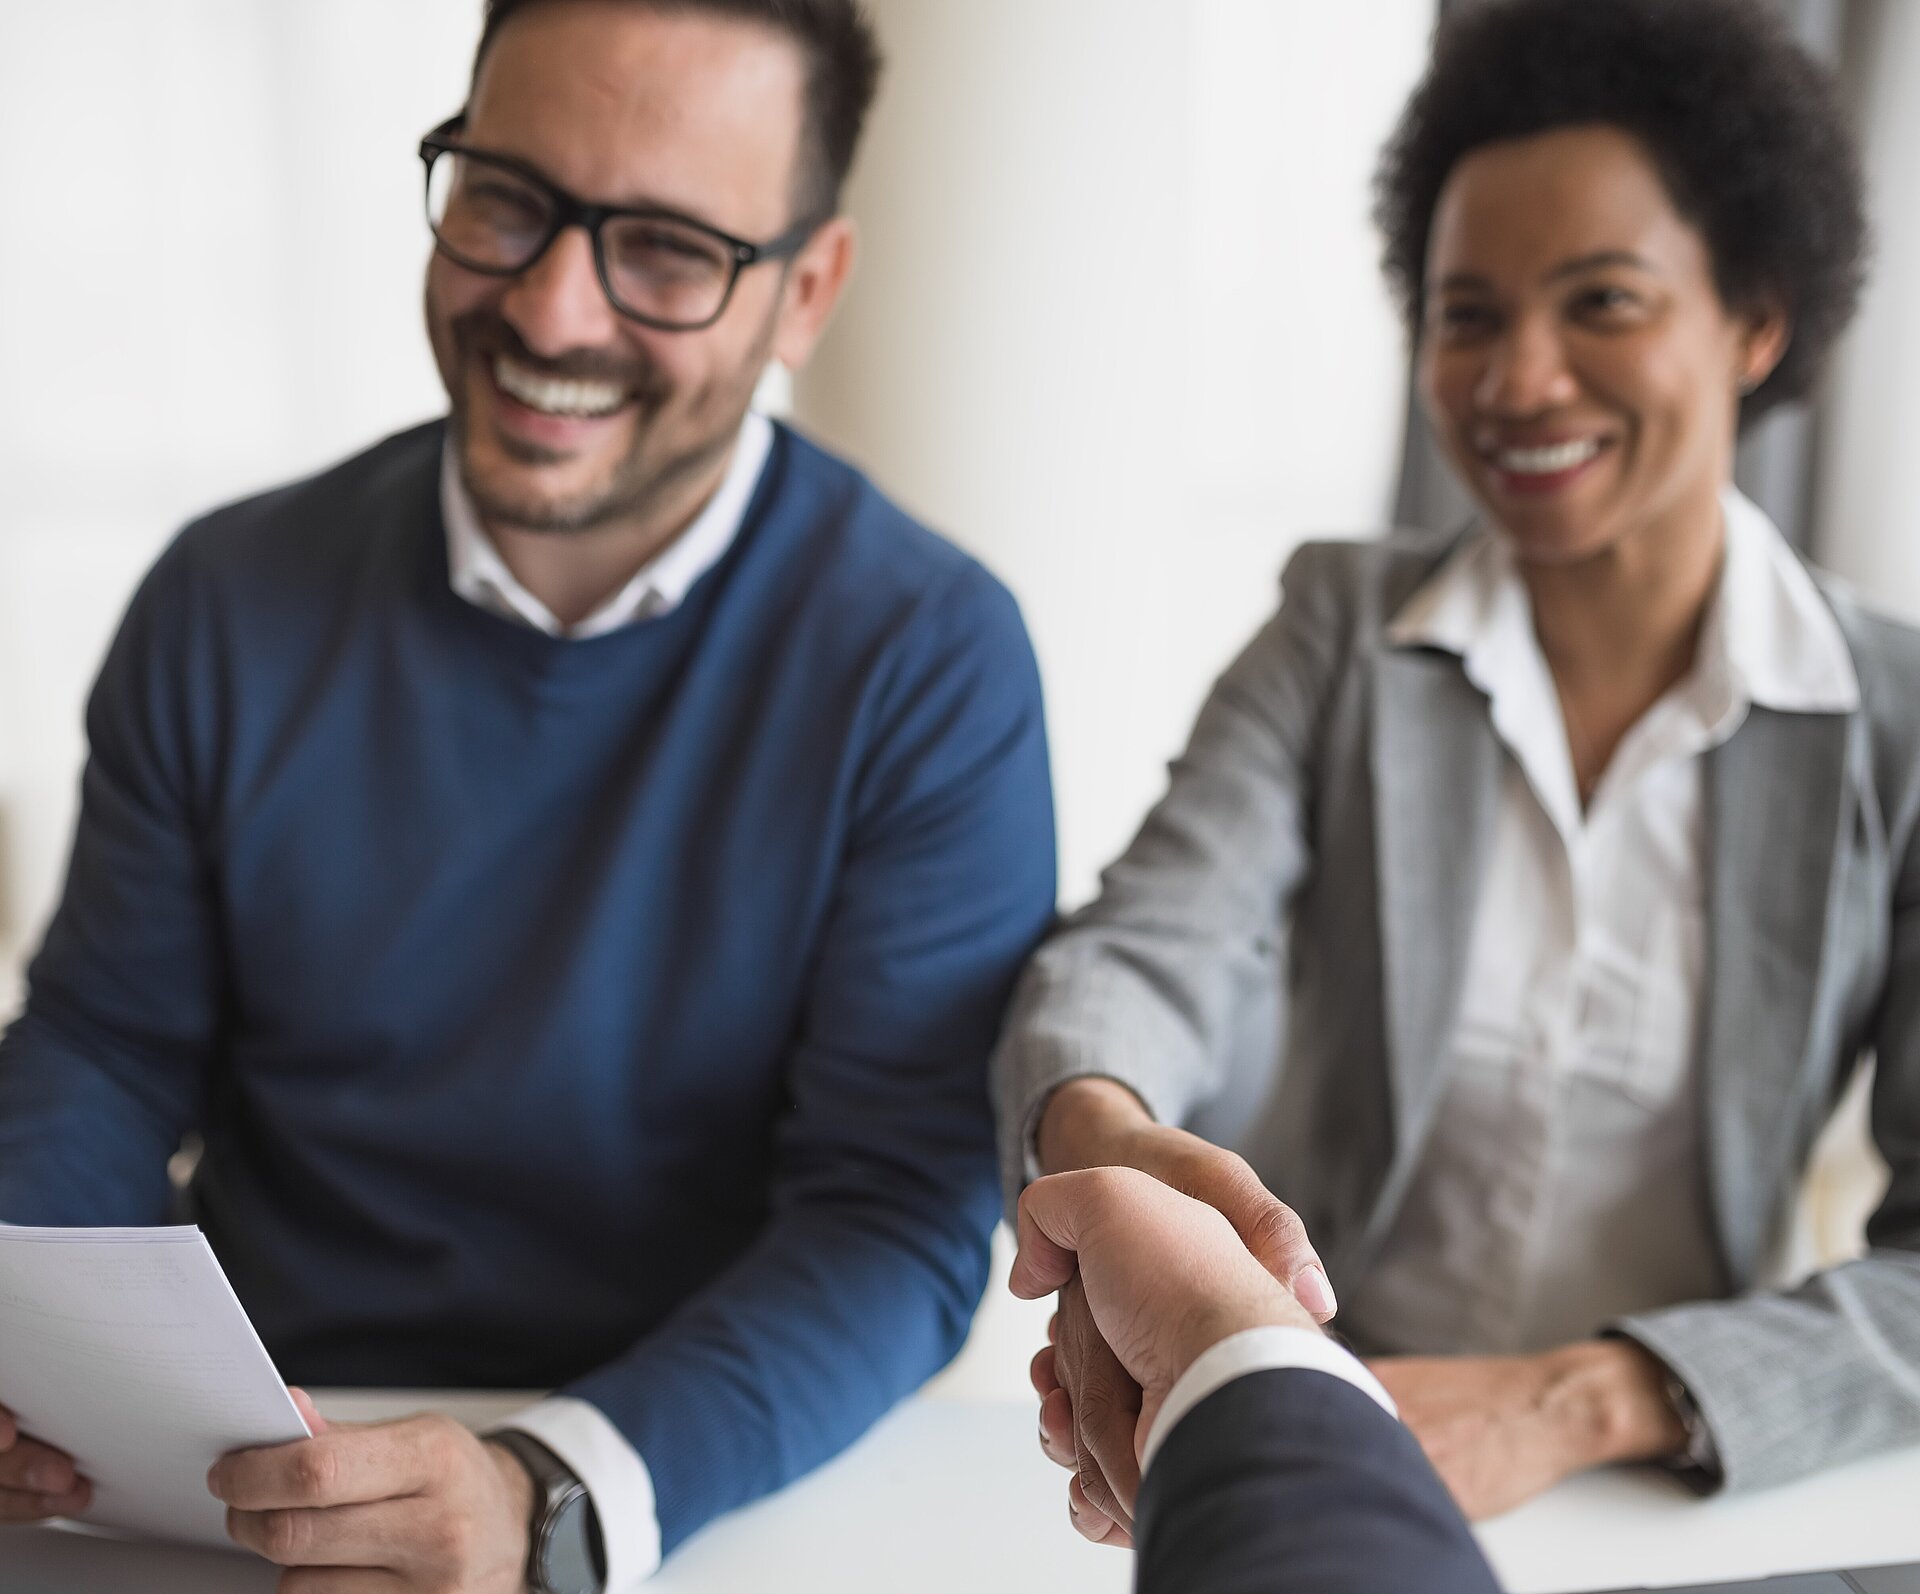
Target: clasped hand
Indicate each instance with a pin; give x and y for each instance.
(1149, 1279)
(1089, 1405)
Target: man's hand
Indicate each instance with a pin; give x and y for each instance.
(1093, 1123)
(1097, 1123)
(1150, 1280)
(1501, 1429)
(1098, 1448)
(420, 1506)
(36, 1481)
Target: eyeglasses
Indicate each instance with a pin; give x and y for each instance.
(497, 216)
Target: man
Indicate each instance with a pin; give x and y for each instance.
(567, 863)
(1271, 1457)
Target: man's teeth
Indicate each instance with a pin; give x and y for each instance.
(553, 397)
(1549, 460)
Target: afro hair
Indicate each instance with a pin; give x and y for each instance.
(1743, 125)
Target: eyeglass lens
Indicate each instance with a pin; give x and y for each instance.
(489, 217)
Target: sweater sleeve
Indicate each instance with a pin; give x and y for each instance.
(863, 1282)
(105, 1069)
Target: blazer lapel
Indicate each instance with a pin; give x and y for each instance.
(1776, 804)
(1436, 771)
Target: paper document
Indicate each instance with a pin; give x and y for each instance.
(128, 1349)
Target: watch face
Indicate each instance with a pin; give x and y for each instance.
(571, 1559)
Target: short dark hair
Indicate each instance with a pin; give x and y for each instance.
(843, 74)
(1743, 125)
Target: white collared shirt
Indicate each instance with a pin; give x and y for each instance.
(580, 1434)
(1564, 1183)
(478, 573)
(1257, 1350)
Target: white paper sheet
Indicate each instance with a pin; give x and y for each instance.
(128, 1349)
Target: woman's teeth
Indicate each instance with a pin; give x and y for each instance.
(1548, 460)
(553, 397)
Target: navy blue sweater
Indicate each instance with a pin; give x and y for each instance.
(609, 1016)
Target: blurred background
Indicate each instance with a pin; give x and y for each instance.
(1117, 328)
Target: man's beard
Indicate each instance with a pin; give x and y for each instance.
(636, 481)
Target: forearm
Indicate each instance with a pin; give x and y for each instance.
(836, 1313)
(1295, 1470)
(1084, 1124)
(76, 1145)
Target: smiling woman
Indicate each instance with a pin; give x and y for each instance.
(1568, 820)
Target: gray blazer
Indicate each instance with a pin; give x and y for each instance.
(1330, 819)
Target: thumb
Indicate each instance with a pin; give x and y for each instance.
(1273, 1232)
(1049, 1223)
(309, 1413)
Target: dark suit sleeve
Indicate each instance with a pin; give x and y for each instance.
(1295, 1480)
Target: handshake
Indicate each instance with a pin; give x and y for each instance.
(1153, 1269)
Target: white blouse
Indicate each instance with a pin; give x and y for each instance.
(1565, 1181)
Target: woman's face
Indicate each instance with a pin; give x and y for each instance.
(1576, 359)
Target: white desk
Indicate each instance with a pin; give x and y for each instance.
(953, 1497)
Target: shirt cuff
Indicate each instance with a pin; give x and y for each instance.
(1253, 1351)
(617, 1482)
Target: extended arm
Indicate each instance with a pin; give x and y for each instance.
(1271, 1459)
(1296, 1479)
(875, 1253)
(1146, 986)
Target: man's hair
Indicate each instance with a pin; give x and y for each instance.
(843, 73)
(1743, 125)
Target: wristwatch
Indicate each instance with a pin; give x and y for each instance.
(565, 1555)
(1701, 1456)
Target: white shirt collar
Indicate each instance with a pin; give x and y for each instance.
(1768, 639)
(478, 574)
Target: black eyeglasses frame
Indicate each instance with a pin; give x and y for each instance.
(571, 211)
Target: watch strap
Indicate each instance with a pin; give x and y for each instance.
(554, 1485)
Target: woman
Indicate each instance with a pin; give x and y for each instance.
(1589, 833)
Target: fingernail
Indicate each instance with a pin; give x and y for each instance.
(44, 1477)
(1313, 1291)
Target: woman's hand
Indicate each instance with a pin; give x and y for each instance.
(1501, 1429)
(1149, 1280)
(1099, 1123)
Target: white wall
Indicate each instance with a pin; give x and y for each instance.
(1118, 329)
(1869, 484)
(211, 282)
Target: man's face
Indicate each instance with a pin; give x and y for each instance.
(623, 105)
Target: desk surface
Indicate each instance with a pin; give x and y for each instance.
(951, 1495)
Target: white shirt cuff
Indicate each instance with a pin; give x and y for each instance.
(617, 1481)
(1253, 1351)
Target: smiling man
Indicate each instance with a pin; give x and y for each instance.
(567, 862)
